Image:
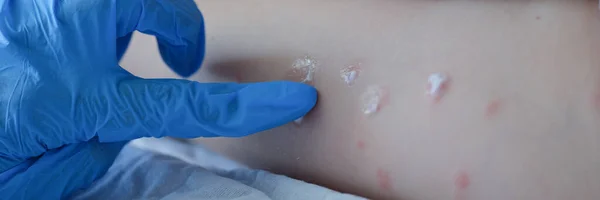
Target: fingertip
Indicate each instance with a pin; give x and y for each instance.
(304, 96)
(268, 105)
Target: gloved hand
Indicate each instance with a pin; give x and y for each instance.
(67, 107)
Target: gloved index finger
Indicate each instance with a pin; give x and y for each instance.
(188, 109)
(177, 24)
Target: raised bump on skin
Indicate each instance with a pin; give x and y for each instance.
(437, 86)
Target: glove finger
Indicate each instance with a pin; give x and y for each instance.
(187, 109)
(59, 172)
(178, 26)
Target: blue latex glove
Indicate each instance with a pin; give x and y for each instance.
(67, 107)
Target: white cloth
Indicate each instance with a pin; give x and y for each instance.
(143, 174)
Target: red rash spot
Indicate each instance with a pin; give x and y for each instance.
(383, 179)
(538, 17)
(360, 145)
(462, 181)
(492, 108)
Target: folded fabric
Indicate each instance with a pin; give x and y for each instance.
(144, 174)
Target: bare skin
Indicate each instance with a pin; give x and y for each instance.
(519, 120)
